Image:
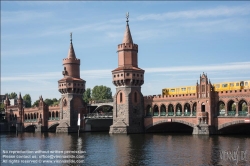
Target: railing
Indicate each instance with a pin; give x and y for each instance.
(100, 115)
(242, 113)
(187, 113)
(170, 113)
(163, 114)
(156, 113)
(178, 113)
(101, 101)
(231, 113)
(194, 113)
(54, 118)
(30, 120)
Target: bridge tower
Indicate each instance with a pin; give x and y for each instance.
(205, 106)
(128, 78)
(72, 87)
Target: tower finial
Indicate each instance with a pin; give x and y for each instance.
(70, 37)
(127, 16)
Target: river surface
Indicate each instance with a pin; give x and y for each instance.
(136, 149)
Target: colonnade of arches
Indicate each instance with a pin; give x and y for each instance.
(13, 117)
(172, 110)
(32, 116)
(232, 108)
(53, 115)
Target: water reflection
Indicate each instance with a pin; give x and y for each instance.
(135, 149)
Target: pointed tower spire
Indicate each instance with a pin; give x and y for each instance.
(20, 96)
(127, 35)
(71, 53)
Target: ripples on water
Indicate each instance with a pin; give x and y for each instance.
(134, 149)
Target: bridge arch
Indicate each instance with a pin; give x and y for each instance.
(148, 110)
(221, 108)
(224, 125)
(166, 121)
(110, 108)
(163, 110)
(155, 110)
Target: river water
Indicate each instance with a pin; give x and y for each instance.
(136, 149)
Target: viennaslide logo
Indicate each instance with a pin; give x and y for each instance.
(233, 155)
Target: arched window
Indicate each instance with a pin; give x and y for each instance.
(53, 115)
(135, 97)
(25, 116)
(34, 115)
(148, 111)
(15, 117)
(31, 116)
(156, 110)
(57, 114)
(120, 96)
(163, 110)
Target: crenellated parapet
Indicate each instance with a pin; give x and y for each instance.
(127, 46)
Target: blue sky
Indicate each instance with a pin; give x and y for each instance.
(177, 41)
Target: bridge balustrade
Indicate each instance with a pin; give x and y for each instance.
(231, 113)
(242, 113)
(194, 113)
(178, 113)
(53, 118)
(163, 113)
(170, 113)
(187, 113)
(100, 115)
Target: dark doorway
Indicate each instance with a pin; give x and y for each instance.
(203, 108)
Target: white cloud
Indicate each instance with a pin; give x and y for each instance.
(194, 14)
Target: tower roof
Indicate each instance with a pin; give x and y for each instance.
(127, 35)
(71, 53)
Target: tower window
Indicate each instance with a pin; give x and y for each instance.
(203, 88)
(135, 97)
(137, 75)
(121, 74)
(127, 74)
(120, 96)
(114, 76)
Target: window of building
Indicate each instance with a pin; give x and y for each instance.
(224, 85)
(231, 84)
(127, 74)
(120, 96)
(172, 90)
(237, 84)
(183, 89)
(203, 88)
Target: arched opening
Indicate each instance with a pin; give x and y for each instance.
(41, 116)
(15, 117)
(57, 115)
(163, 110)
(49, 115)
(243, 109)
(35, 116)
(28, 116)
(120, 97)
(52, 128)
(178, 110)
(31, 116)
(25, 116)
(148, 111)
(30, 128)
(156, 110)
(53, 115)
(194, 109)
(170, 110)
(231, 108)
(240, 128)
(135, 97)
(203, 107)
(187, 110)
(221, 109)
(170, 127)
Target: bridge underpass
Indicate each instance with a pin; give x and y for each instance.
(173, 127)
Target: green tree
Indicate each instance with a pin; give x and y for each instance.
(49, 102)
(2, 107)
(35, 103)
(101, 92)
(12, 95)
(27, 100)
(87, 95)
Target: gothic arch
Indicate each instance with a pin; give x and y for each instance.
(230, 124)
(166, 121)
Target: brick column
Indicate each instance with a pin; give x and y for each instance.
(174, 111)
